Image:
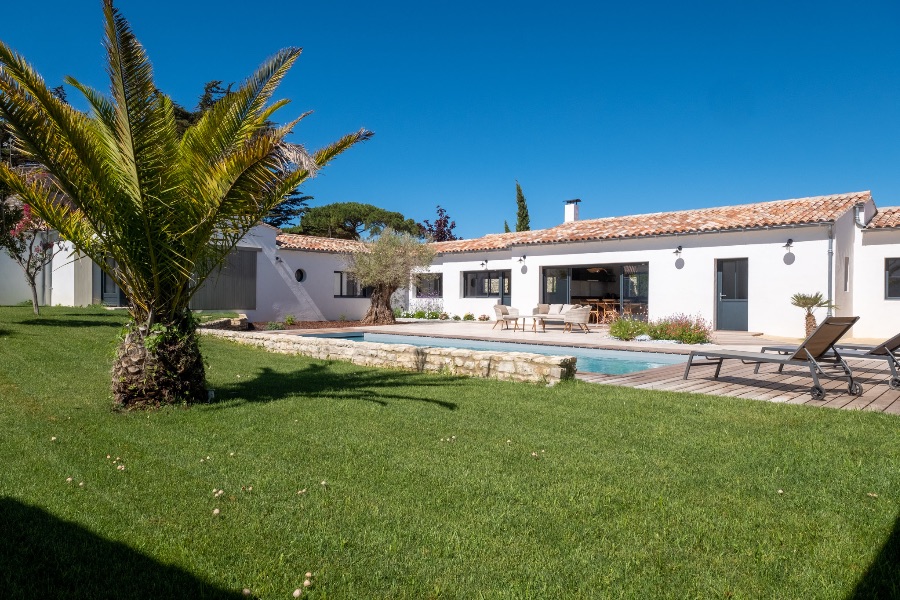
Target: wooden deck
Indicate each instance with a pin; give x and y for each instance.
(791, 386)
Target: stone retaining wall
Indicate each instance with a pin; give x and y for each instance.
(510, 366)
(239, 324)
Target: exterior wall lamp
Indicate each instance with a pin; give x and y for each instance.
(522, 260)
(484, 264)
(677, 251)
(789, 245)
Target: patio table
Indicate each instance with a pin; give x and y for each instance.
(535, 319)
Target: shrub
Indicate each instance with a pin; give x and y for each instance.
(483, 318)
(419, 314)
(443, 316)
(456, 317)
(683, 328)
(468, 317)
(627, 329)
(433, 314)
(289, 320)
(273, 325)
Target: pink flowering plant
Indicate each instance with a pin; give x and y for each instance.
(28, 241)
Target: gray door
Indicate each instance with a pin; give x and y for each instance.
(108, 287)
(731, 290)
(556, 286)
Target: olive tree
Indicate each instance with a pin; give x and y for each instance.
(386, 265)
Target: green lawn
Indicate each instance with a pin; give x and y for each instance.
(424, 486)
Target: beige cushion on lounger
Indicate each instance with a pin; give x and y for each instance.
(555, 309)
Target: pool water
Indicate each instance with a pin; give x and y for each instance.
(609, 362)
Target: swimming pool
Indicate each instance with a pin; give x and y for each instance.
(609, 362)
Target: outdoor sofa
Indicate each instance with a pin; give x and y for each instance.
(554, 313)
(888, 351)
(817, 353)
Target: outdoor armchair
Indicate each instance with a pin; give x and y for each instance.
(577, 316)
(504, 315)
(817, 352)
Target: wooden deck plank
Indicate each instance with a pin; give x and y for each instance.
(791, 386)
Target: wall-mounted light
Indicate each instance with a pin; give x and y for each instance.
(278, 259)
(484, 264)
(522, 260)
(789, 245)
(677, 251)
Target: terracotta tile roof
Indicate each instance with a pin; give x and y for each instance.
(887, 217)
(292, 241)
(799, 211)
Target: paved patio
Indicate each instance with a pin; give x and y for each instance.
(736, 380)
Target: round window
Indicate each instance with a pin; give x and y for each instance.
(300, 274)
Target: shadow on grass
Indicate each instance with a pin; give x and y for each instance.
(882, 578)
(370, 385)
(42, 556)
(82, 322)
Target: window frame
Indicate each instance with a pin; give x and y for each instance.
(344, 281)
(504, 285)
(887, 278)
(437, 277)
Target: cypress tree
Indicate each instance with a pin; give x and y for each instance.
(523, 223)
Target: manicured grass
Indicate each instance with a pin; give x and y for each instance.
(423, 486)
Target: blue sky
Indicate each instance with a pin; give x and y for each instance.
(632, 107)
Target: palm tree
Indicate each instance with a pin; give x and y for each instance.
(810, 302)
(157, 212)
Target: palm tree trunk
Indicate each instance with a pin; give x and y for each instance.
(380, 311)
(810, 323)
(159, 369)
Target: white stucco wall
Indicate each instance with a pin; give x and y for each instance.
(13, 288)
(319, 283)
(879, 317)
(687, 286)
(279, 294)
(62, 272)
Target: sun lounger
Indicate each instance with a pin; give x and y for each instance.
(889, 351)
(817, 352)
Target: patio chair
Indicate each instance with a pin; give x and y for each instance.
(577, 316)
(816, 353)
(505, 314)
(888, 351)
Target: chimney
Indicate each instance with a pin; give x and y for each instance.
(572, 210)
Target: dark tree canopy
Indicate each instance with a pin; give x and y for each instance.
(350, 220)
(442, 228)
(523, 222)
(506, 228)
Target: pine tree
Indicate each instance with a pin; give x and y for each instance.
(523, 223)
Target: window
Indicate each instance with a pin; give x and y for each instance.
(430, 285)
(846, 273)
(486, 284)
(347, 287)
(892, 278)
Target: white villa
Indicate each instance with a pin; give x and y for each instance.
(735, 266)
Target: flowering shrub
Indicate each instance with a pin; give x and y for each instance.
(468, 317)
(685, 329)
(681, 328)
(483, 318)
(26, 239)
(625, 328)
